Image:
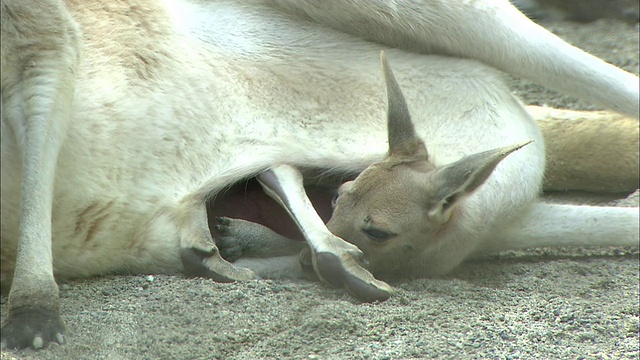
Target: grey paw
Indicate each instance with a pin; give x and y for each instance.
(229, 241)
(29, 327)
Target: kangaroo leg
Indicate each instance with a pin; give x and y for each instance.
(200, 255)
(256, 247)
(589, 150)
(39, 58)
(491, 31)
(334, 260)
(569, 225)
(238, 238)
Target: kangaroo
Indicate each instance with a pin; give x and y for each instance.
(121, 119)
(410, 216)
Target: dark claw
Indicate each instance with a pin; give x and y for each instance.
(223, 220)
(229, 249)
(220, 229)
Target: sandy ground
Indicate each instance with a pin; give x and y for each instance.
(553, 304)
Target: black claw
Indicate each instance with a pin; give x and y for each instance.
(223, 220)
(221, 229)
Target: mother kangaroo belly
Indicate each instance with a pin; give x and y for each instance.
(120, 236)
(114, 236)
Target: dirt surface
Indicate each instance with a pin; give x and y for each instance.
(552, 304)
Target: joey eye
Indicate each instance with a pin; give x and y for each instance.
(377, 234)
(335, 199)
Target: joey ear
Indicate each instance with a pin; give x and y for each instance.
(454, 181)
(403, 141)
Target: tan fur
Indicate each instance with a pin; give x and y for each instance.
(579, 149)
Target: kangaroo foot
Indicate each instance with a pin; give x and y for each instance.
(200, 255)
(334, 260)
(32, 327)
(34, 316)
(340, 265)
(238, 238)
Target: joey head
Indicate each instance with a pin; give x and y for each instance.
(396, 209)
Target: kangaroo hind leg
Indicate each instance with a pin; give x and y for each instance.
(491, 31)
(554, 225)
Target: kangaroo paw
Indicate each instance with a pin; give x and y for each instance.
(31, 327)
(231, 238)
